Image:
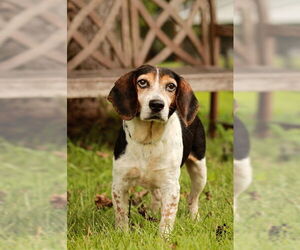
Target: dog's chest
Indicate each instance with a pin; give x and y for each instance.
(151, 164)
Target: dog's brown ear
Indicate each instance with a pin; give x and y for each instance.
(123, 96)
(186, 102)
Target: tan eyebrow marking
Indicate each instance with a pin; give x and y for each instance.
(148, 76)
(167, 79)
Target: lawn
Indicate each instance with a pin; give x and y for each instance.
(30, 178)
(269, 210)
(89, 174)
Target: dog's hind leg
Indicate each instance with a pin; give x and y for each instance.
(155, 200)
(197, 172)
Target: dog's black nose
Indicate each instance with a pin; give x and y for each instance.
(156, 105)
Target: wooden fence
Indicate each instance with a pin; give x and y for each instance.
(32, 35)
(254, 48)
(106, 38)
(125, 37)
(33, 48)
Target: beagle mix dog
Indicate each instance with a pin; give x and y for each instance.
(160, 132)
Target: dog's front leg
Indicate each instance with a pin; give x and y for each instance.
(170, 194)
(120, 203)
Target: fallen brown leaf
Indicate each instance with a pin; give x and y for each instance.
(254, 196)
(102, 154)
(60, 154)
(68, 196)
(59, 201)
(101, 201)
(208, 195)
(174, 245)
(143, 211)
(85, 146)
(2, 196)
(89, 147)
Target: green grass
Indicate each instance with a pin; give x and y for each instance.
(29, 177)
(92, 228)
(225, 107)
(28, 180)
(275, 183)
(284, 106)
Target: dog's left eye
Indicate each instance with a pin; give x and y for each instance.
(143, 83)
(170, 87)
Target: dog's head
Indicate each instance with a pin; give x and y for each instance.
(153, 94)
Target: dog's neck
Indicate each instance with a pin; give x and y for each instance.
(145, 132)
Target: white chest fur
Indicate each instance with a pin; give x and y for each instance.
(153, 153)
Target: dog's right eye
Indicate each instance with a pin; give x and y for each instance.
(143, 83)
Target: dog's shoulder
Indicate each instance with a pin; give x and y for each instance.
(120, 144)
(193, 138)
(241, 139)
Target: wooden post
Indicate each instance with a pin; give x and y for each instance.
(214, 53)
(264, 114)
(213, 113)
(265, 53)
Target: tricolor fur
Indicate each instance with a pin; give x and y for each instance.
(242, 163)
(160, 132)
